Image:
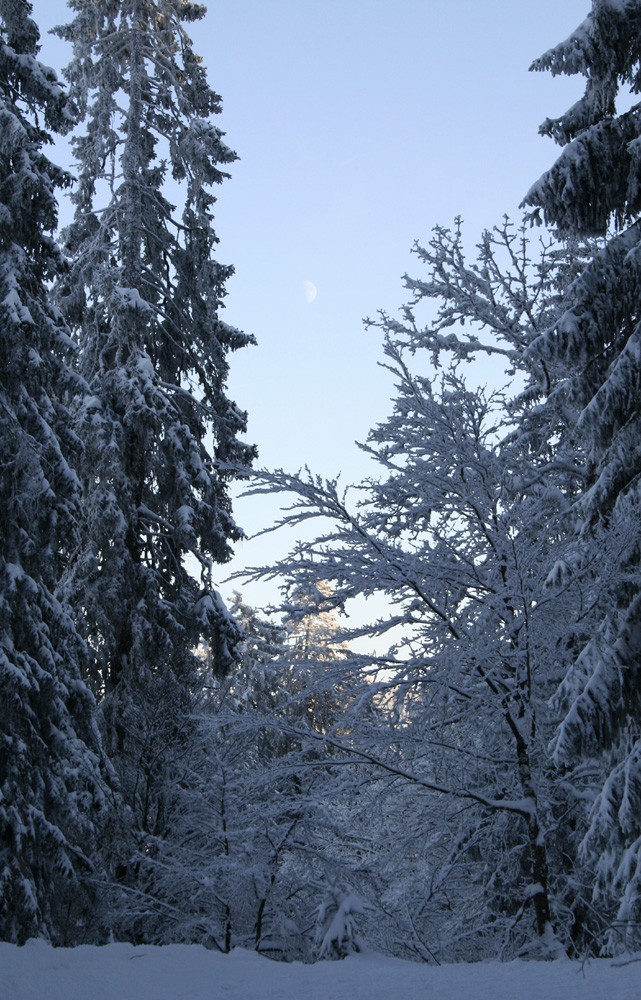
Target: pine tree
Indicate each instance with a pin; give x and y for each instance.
(594, 188)
(144, 295)
(51, 790)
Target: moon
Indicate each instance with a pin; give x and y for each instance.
(309, 288)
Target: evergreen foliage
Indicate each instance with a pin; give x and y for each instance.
(161, 439)
(593, 188)
(474, 790)
(51, 788)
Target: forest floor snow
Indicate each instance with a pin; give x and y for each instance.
(190, 972)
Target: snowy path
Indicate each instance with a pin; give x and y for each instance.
(178, 972)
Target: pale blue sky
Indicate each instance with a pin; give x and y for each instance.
(360, 125)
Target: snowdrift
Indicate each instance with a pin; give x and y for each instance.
(190, 972)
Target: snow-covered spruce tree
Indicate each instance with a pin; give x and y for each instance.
(459, 535)
(161, 438)
(336, 916)
(51, 790)
(594, 188)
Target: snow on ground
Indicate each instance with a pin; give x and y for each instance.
(190, 972)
